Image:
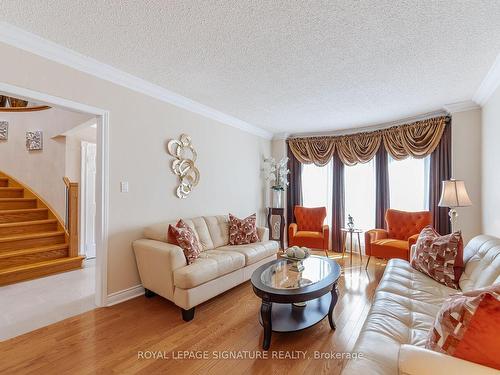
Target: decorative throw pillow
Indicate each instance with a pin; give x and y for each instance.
(468, 327)
(186, 239)
(242, 231)
(439, 257)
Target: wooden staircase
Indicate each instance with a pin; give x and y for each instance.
(33, 240)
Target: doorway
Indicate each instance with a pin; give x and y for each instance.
(98, 239)
(88, 201)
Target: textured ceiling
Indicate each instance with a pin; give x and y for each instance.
(281, 65)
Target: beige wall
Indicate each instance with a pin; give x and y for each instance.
(229, 160)
(41, 170)
(466, 165)
(74, 150)
(491, 165)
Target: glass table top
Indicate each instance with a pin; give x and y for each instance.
(286, 274)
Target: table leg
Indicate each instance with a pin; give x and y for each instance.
(332, 306)
(344, 238)
(350, 247)
(265, 313)
(359, 247)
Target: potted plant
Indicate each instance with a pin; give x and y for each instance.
(277, 174)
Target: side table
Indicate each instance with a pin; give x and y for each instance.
(351, 232)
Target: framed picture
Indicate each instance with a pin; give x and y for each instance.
(34, 140)
(4, 130)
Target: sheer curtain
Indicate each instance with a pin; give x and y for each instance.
(360, 195)
(317, 188)
(409, 184)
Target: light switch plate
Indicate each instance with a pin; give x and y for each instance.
(124, 186)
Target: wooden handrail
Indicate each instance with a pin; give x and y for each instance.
(71, 221)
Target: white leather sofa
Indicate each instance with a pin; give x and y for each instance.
(406, 302)
(164, 271)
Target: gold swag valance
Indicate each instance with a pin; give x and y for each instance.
(417, 139)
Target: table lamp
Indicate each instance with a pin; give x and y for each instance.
(454, 195)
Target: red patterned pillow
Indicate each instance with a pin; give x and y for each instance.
(186, 239)
(242, 231)
(439, 257)
(468, 327)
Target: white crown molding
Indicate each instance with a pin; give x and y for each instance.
(467, 105)
(124, 295)
(280, 136)
(489, 84)
(37, 45)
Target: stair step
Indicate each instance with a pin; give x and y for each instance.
(34, 255)
(29, 214)
(17, 203)
(11, 192)
(31, 240)
(36, 226)
(32, 271)
(4, 181)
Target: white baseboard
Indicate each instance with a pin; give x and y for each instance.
(124, 295)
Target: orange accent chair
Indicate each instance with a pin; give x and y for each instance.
(309, 230)
(403, 230)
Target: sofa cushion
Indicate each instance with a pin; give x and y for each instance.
(403, 311)
(159, 232)
(210, 265)
(255, 251)
(482, 263)
(218, 227)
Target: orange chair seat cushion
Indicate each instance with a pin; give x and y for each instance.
(309, 234)
(312, 242)
(390, 248)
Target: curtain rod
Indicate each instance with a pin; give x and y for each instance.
(369, 128)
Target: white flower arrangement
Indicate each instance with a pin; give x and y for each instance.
(276, 173)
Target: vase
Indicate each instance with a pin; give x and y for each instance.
(277, 201)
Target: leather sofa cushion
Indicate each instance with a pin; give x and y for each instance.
(253, 252)
(218, 227)
(403, 312)
(159, 231)
(482, 263)
(210, 265)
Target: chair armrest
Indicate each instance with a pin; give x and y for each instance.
(412, 240)
(374, 235)
(326, 237)
(263, 234)
(414, 360)
(292, 230)
(156, 261)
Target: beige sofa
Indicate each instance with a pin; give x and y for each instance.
(405, 304)
(164, 271)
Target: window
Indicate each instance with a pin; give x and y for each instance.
(317, 188)
(360, 195)
(409, 184)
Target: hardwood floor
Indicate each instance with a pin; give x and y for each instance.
(110, 340)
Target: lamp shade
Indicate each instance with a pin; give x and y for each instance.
(454, 194)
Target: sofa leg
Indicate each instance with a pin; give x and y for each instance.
(368, 261)
(149, 293)
(188, 315)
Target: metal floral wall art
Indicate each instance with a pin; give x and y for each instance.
(4, 130)
(34, 140)
(183, 164)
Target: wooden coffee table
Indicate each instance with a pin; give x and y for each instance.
(282, 290)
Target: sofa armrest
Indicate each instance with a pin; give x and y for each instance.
(263, 234)
(414, 360)
(156, 261)
(374, 235)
